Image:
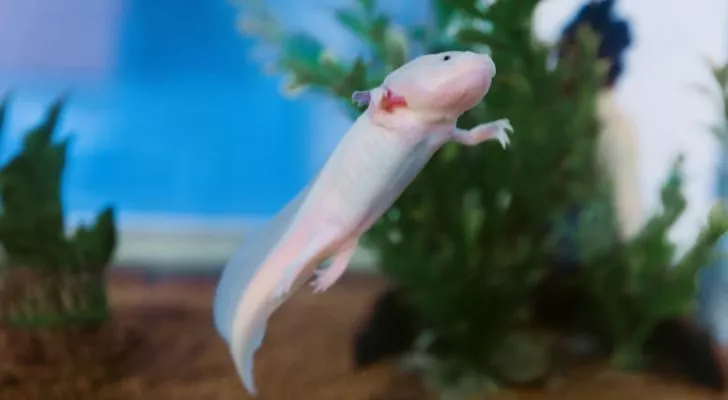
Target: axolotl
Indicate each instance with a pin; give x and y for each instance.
(407, 119)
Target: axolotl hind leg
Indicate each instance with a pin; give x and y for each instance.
(325, 278)
(312, 241)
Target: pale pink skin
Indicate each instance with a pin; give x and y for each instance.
(376, 159)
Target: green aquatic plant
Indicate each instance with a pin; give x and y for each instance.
(49, 277)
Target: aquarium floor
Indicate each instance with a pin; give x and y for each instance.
(162, 347)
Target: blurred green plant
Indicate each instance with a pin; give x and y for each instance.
(49, 277)
(472, 236)
(720, 78)
(638, 283)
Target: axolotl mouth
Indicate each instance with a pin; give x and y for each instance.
(486, 75)
(476, 86)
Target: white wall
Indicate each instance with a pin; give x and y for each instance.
(672, 39)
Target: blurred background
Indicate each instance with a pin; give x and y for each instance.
(177, 125)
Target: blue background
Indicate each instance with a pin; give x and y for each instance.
(185, 123)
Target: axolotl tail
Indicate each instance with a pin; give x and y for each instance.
(244, 359)
(290, 264)
(235, 282)
(258, 303)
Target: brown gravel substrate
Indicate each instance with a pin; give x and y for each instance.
(161, 346)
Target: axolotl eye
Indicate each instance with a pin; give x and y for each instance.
(445, 57)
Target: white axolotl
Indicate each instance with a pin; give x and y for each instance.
(409, 117)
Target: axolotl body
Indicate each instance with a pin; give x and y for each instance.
(409, 117)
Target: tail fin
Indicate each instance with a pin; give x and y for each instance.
(244, 264)
(295, 252)
(234, 282)
(244, 359)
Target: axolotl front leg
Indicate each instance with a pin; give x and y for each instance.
(496, 130)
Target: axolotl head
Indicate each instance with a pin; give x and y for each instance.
(443, 85)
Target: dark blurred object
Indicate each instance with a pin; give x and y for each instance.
(565, 259)
(616, 35)
(677, 345)
(682, 345)
(560, 302)
(389, 331)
